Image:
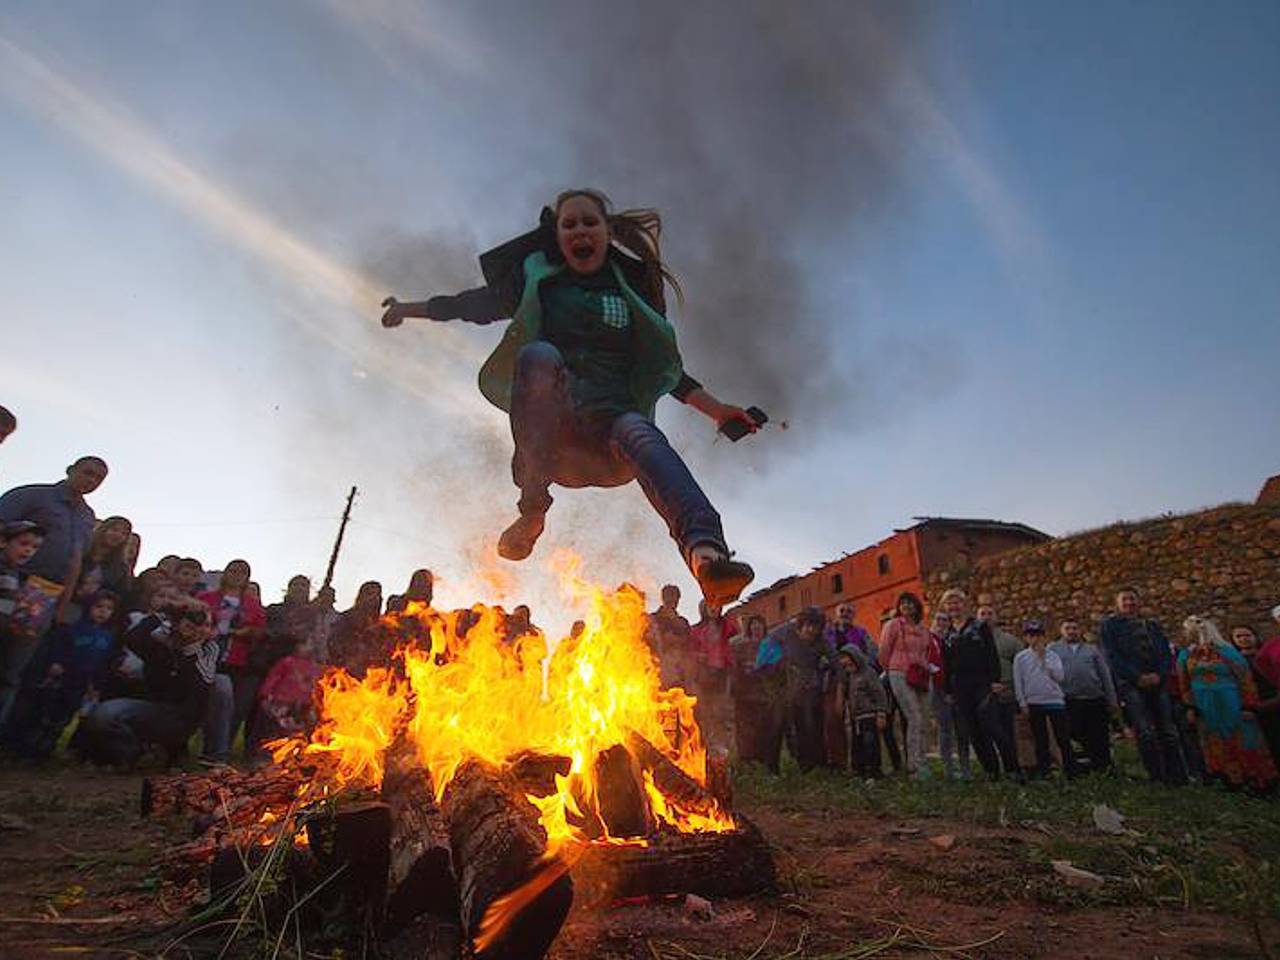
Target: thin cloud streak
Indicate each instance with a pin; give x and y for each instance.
(386, 25)
(131, 147)
(1015, 234)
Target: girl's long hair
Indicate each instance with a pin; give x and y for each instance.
(638, 232)
(113, 559)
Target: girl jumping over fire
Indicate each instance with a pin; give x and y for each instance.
(587, 355)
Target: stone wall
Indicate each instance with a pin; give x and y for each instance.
(1224, 562)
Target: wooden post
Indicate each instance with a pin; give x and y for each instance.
(337, 544)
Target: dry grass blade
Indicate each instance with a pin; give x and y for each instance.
(764, 943)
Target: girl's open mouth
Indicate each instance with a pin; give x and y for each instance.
(582, 250)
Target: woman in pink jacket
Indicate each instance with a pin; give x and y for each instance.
(904, 654)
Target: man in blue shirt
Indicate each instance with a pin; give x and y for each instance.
(61, 510)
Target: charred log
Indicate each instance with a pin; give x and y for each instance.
(498, 848)
(620, 797)
(536, 772)
(676, 785)
(733, 864)
(720, 779)
(356, 839)
(420, 876)
(203, 794)
(427, 938)
(294, 873)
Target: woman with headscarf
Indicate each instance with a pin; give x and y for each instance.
(1216, 683)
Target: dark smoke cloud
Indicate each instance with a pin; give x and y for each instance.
(766, 134)
(768, 137)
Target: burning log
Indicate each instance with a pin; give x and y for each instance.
(536, 772)
(356, 838)
(498, 848)
(674, 784)
(623, 807)
(420, 879)
(731, 864)
(720, 778)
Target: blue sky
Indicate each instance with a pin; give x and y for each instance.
(1044, 279)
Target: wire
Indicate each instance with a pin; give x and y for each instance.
(234, 523)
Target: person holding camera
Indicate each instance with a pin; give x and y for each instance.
(180, 657)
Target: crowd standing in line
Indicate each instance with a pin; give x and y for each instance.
(1207, 711)
(147, 660)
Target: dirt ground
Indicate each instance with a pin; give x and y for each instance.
(78, 876)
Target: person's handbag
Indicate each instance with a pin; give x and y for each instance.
(918, 677)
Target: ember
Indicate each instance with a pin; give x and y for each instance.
(506, 774)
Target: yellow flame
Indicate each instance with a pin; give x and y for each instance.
(465, 690)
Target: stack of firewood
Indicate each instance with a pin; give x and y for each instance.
(430, 873)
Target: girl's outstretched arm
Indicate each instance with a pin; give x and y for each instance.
(690, 391)
(473, 306)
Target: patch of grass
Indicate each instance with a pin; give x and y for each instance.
(1196, 847)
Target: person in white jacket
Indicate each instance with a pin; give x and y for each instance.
(1037, 683)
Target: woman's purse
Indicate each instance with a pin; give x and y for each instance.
(918, 677)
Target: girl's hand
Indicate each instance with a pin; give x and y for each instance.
(393, 315)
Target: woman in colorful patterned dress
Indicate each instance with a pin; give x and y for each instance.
(1217, 684)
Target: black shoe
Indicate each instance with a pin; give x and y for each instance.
(517, 540)
(722, 580)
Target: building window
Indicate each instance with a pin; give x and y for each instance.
(806, 597)
(882, 562)
(837, 583)
(782, 606)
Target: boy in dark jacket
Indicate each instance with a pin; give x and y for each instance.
(179, 656)
(867, 707)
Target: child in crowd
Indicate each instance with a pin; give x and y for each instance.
(187, 575)
(286, 699)
(179, 660)
(20, 540)
(868, 709)
(1037, 684)
(66, 675)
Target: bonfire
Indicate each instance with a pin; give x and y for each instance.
(481, 782)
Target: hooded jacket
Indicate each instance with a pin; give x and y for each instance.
(865, 692)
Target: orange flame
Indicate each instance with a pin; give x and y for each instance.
(470, 691)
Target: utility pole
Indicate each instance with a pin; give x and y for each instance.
(337, 544)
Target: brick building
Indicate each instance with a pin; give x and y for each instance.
(872, 578)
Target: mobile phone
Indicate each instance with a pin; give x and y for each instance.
(735, 430)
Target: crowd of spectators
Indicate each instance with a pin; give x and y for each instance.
(1200, 706)
(147, 659)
